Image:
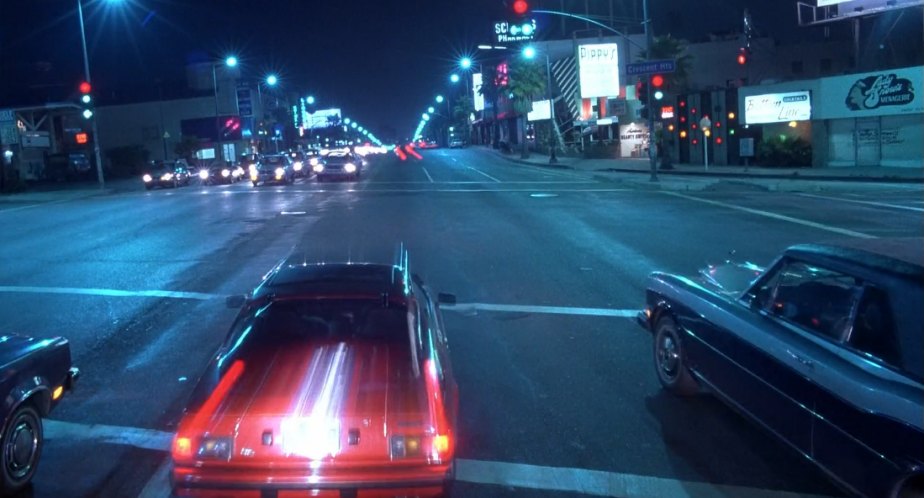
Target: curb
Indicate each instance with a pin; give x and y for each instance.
(702, 174)
(530, 163)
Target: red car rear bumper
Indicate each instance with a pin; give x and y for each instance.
(231, 481)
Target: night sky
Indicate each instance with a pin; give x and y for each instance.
(381, 61)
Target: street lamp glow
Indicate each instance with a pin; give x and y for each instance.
(310, 100)
(466, 62)
(272, 79)
(529, 52)
(354, 125)
(454, 78)
(439, 99)
(425, 116)
(346, 120)
(431, 110)
(231, 61)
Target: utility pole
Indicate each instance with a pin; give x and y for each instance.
(93, 119)
(649, 41)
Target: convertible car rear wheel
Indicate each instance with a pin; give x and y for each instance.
(21, 448)
(670, 361)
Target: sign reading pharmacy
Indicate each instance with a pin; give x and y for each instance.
(505, 32)
(777, 107)
(598, 68)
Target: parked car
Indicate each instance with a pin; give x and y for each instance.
(165, 174)
(825, 349)
(456, 143)
(338, 165)
(34, 376)
(332, 377)
(276, 168)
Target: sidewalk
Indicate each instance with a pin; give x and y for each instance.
(49, 192)
(693, 176)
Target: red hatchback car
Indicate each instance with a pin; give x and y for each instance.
(334, 379)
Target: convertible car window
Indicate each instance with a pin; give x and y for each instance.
(873, 329)
(816, 299)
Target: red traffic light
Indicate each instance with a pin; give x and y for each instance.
(657, 80)
(85, 87)
(742, 56)
(520, 7)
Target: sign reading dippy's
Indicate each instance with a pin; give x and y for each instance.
(598, 67)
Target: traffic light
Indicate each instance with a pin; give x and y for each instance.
(657, 81)
(86, 101)
(743, 54)
(641, 91)
(520, 7)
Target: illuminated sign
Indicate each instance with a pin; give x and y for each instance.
(322, 118)
(667, 112)
(81, 138)
(505, 31)
(541, 110)
(598, 67)
(777, 107)
(477, 97)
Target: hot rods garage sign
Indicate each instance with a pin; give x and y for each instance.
(882, 93)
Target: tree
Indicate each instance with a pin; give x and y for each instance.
(461, 111)
(186, 148)
(526, 83)
(667, 47)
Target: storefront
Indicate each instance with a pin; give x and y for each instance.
(873, 119)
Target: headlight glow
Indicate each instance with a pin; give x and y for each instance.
(313, 161)
(349, 168)
(252, 168)
(318, 168)
(204, 174)
(147, 178)
(166, 176)
(280, 172)
(297, 166)
(225, 173)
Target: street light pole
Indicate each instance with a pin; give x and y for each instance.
(217, 124)
(93, 124)
(649, 40)
(552, 129)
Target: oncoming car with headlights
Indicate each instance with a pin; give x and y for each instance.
(334, 378)
(338, 164)
(220, 174)
(275, 168)
(165, 174)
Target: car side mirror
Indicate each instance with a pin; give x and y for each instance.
(445, 298)
(235, 301)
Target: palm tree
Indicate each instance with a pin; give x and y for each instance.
(460, 114)
(489, 90)
(526, 83)
(667, 47)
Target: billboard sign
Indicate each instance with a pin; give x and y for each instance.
(541, 110)
(777, 107)
(879, 93)
(477, 97)
(322, 118)
(598, 67)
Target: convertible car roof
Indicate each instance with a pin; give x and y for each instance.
(902, 256)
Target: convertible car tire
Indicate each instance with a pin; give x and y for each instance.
(21, 448)
(670, 361)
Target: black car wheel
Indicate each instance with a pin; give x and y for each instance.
(21, 448)
(254, 183)
(670, 361)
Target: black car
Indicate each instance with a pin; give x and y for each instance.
(165, 174)
(218, 174)
(338, 165)
(276, 168)
(34, 375)
(825, 349)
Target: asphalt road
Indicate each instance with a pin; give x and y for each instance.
(558, 392)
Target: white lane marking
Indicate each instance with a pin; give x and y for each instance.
(148, 439)
(455, 160)
(293, 213)
(798, 221)
(554, 310)
(428, 174)
(483, 173)
(520, 475)
(108, 292)
(601, 483)
(868, 203)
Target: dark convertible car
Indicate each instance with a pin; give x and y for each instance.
(34, 375)
(825, 349)
(335, 380)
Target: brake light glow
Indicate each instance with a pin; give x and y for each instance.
(182, 447)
